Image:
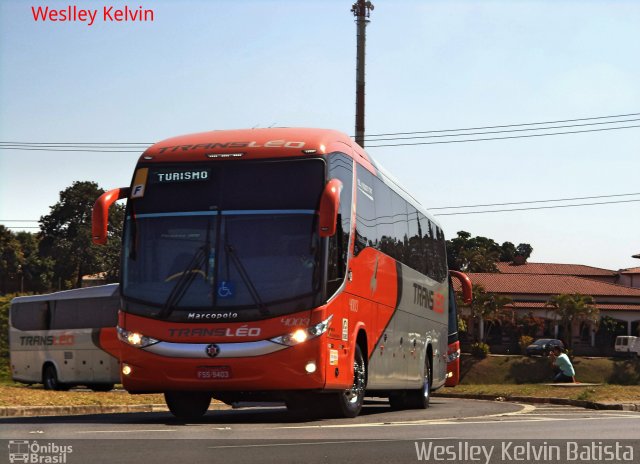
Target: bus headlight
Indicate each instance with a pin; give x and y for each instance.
(302, 335)
(135, 339)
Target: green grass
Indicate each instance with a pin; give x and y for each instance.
(600, 393)
(524, 370)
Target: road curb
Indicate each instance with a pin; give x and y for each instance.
(39, 411)
(541, 400)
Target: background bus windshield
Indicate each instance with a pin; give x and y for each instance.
(234, 235)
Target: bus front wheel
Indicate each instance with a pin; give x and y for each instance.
(188, 405)
(50, 378)
(349, 402)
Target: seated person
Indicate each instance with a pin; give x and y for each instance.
(562, 362)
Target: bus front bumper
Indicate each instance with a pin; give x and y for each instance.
(223, 367)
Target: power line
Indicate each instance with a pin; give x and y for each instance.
(509, 125)
(502, 131)
(69, 149)
(113, 145)
(96, 150)
(502, 138)
(76, 143)
(535, 201)
(535, 208)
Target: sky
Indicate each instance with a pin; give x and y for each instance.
(431, 65)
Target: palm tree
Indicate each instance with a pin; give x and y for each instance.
(488, 307)
(573, 307)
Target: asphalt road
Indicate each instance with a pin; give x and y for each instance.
(271, 434)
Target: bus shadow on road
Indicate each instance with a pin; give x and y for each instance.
(275, 414)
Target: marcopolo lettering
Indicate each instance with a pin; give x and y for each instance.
(211, 316)
(242, 331)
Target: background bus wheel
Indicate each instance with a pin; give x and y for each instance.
(419, 399)
(101, 387)
(50, 379)
(349, 402)
(188, 405)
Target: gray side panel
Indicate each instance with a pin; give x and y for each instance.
(399, 358)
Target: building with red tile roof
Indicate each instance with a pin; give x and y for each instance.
(531, 285)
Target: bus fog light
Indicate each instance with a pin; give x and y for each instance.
(310, 367)
(126, 369)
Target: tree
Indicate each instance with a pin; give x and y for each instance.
(66, 236)
(507, 252)
(489, 307)
(573, 307)
(11, 260)
(524, 250)
(480, 254)
(37, 271)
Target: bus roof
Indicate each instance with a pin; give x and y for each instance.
(278, 142)
(101, 291)
(275, 142)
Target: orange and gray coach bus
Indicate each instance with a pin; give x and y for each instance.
(277, 264)
(66, 338)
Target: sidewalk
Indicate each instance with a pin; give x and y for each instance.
(539, 400)
(38, 411)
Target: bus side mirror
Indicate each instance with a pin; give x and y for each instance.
(329, 206)
(465, 283)
(100, 213)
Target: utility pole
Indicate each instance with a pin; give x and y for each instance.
(361, 10)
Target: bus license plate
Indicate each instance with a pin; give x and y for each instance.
(213, 373)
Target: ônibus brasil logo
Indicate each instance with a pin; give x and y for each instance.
(28, 451)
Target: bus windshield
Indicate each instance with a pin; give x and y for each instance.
(228, 236)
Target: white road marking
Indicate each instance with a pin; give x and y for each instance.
(525, 409)
(271, 445)
(127, 431)
(454, 421)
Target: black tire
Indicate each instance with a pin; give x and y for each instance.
(397, 401)
(348, 403)
(419, 399)
(101, 387)
(188, 405)
(50, 379)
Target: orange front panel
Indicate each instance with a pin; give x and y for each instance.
(283, 370)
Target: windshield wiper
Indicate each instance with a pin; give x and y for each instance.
(184, 282)
(246, 279)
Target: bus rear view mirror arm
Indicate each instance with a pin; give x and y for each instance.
(329, 206)
(100, 213)
(465, 283)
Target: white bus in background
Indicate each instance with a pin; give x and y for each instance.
(62, 339)
(628, 344)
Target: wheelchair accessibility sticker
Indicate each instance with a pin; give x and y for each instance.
(226, 289)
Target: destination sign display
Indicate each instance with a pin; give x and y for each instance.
(191, 175)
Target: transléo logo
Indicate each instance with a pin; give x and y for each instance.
(38, 453)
